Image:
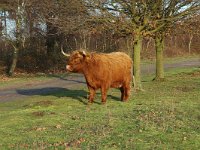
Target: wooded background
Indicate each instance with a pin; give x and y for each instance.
(33, 31)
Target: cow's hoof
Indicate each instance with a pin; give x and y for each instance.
(103, 103)
(89, 103)
(124, 100)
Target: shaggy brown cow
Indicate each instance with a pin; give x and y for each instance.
(103, 71)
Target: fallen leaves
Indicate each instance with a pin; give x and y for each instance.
(41, 129)
(38, 113)
(75, 143)
(58, 126)
(5, 78)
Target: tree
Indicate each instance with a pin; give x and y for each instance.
(54, 18)
(15, 8)
(61, 17)
(141, 19)
(129, 18)
(19, 21)
(136, 18)
(169, 12)
(190, 27)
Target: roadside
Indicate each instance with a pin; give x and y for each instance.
(71, 81)
(147, 68)
(52, 85)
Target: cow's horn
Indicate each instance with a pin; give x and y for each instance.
(67, 55)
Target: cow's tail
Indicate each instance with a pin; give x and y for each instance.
(133, 81)
(133, 78)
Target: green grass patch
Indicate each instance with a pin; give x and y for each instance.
(170, 60)
(165, 116)
(26, 79)
(7, 82)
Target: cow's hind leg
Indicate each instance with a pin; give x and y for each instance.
(126, 92)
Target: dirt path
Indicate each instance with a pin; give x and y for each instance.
(150, 68)
(74, 82)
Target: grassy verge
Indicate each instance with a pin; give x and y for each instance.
(24, 79)
(165, 116)
(170, 60)
(7, 82)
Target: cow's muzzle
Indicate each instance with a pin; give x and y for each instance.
(69, 68)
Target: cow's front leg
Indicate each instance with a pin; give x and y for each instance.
(103, 94)
(92, 94)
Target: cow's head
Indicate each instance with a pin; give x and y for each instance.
(77, 61)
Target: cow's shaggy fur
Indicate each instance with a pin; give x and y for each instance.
(103, 71)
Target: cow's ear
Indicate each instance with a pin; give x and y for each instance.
(84, 53)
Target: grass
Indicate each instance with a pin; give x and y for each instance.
(24, 79)
(170, 60)
(165, 116)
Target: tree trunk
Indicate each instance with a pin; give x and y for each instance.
(5, 23)
(51, 39)
(14, 61)
(159, 43)
(136, 61)
(190, 42)
(16, 45)
(148, 43)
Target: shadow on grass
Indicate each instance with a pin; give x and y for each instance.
(80, 95)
